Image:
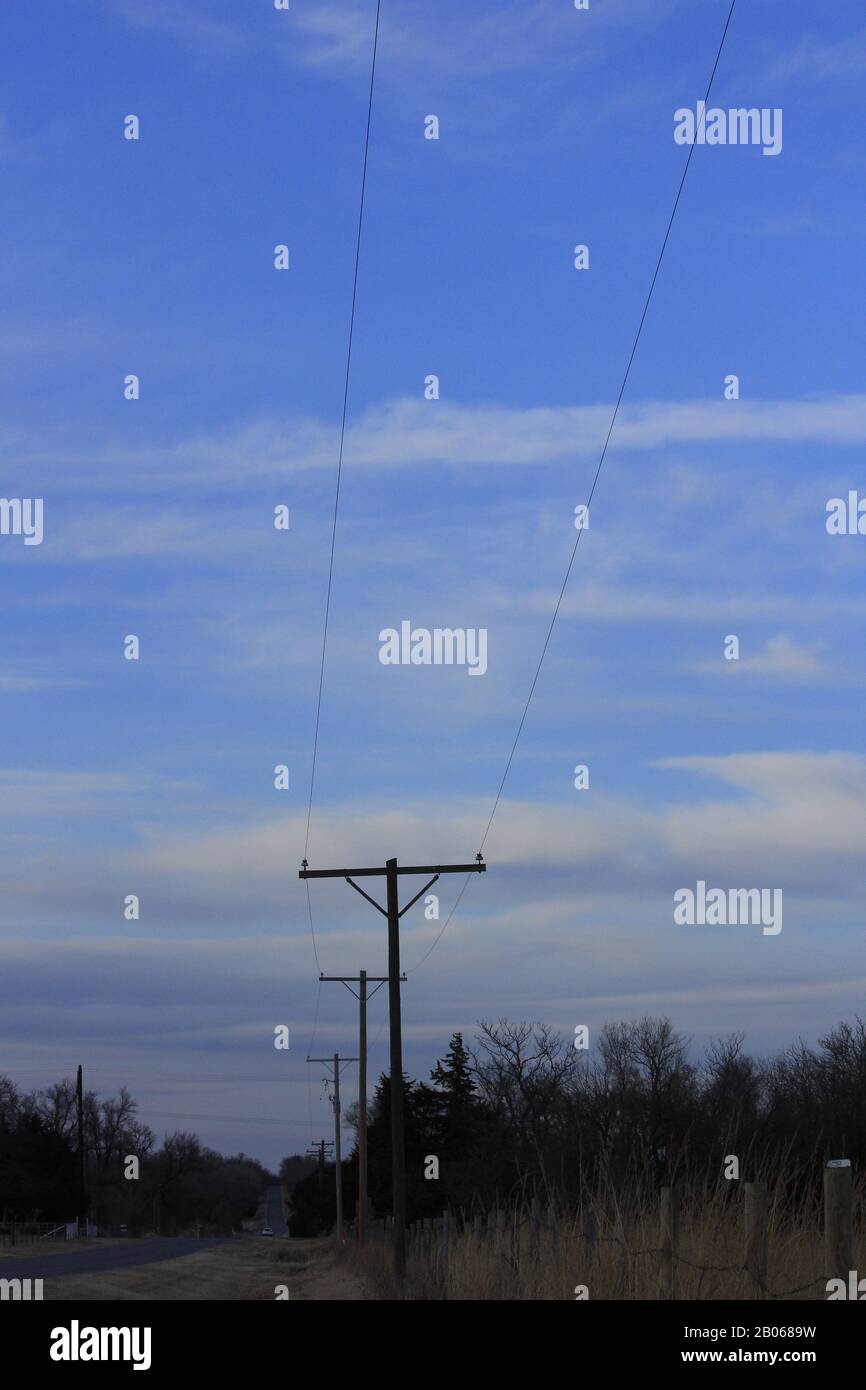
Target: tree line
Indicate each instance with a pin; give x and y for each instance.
(181, 1185)
(523, 1110)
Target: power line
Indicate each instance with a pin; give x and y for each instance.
(310, 1045)
(444, 926)
(334, 530)
(601, 460)
(340, 468)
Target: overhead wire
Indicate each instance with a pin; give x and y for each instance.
(343, 420)
(603, 455)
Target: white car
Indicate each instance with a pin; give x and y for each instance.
(267, 1230)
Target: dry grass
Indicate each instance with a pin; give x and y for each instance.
(244, 1269)
(622, 1263)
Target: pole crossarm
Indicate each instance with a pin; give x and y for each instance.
(476, 868)
(418, 895)
(367, 896)
(349, 980)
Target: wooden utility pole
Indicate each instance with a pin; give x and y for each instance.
(391, 873)
(362, 1110)
(82, 1180)
(319, 1151)
(362, 980)
(335, 1063)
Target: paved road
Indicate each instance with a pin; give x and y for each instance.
(274, 1211)
(92, 1260)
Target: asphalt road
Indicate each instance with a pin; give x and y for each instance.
(274, 1211)
(92, 1260)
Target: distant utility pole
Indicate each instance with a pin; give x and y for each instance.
(362, 981)
(82, 1181)
(335, 1063)
(390, 872)
(319, 1151)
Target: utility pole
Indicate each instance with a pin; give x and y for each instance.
(362, 980)
(362, 1113)
(391, 873)
(82, 1182)
(319, 1151)
(337, 1151)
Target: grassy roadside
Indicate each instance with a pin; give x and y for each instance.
(244, 1269)
(54, 1247)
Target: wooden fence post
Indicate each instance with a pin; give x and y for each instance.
(669, 1229)
(589, 1234)
(534, 1223)
(839, 1218)
(553, 1228)
(755, 1257)
(516, 1223)
(501, 1228)
(623, 1265)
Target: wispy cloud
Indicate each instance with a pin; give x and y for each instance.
(190, 24)
(28, 792)
(781, 658)
(410, 432)
(815, 60)
(335, 38)
(801, 810)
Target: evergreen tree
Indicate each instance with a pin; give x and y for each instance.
(453, 1076)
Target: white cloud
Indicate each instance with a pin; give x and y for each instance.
(43, 795)
(200, 32)
(641, 603)
(802, 811)
(459, 41)
(780, 659)
(817, 61)
(803, 814)
(407, 432)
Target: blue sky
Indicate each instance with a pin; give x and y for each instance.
(155, 257)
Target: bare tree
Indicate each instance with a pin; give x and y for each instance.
(527, 1072)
